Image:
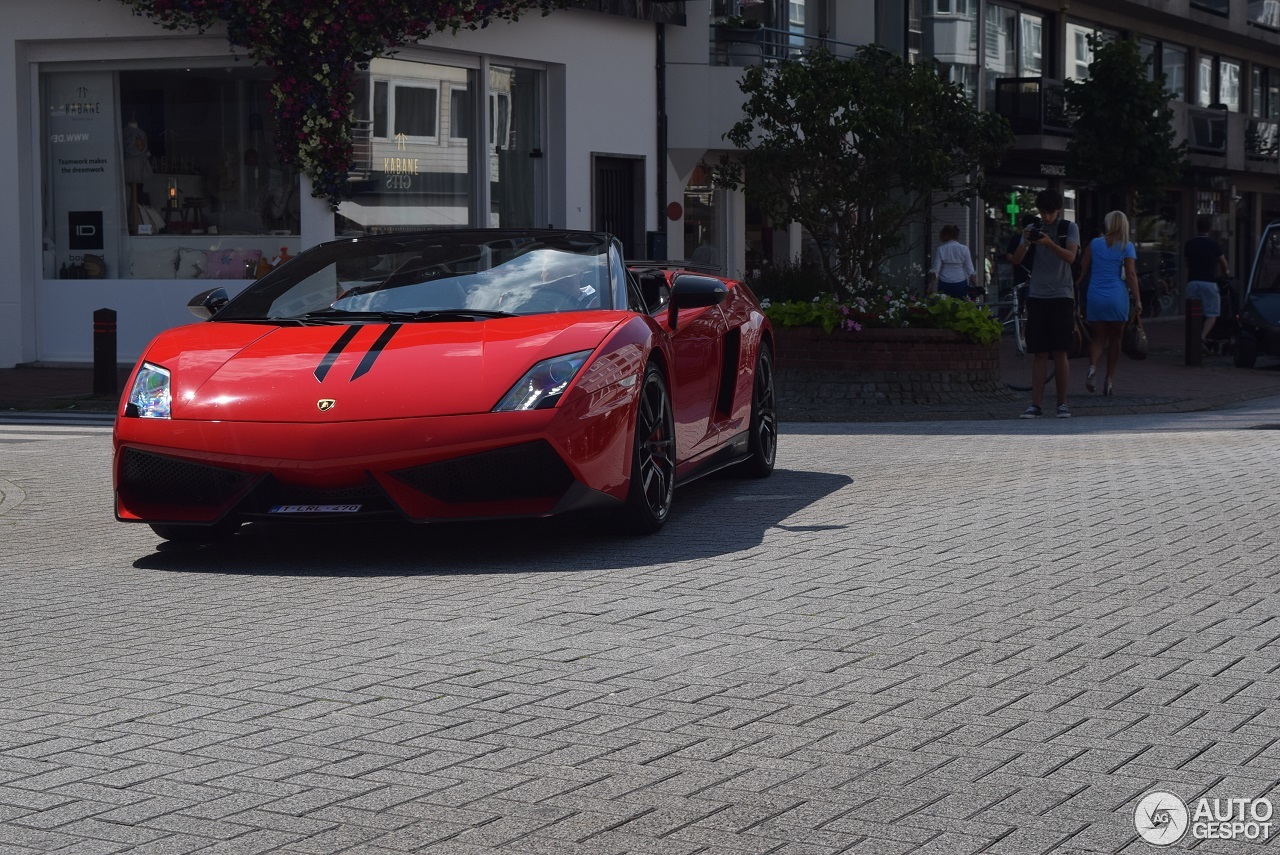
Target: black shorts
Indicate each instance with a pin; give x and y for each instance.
(1051, 322)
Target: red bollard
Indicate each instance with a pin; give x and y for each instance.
(1194, 330)
(105, 372)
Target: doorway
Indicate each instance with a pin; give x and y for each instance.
(617, 188)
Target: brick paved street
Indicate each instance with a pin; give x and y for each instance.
(939, 637)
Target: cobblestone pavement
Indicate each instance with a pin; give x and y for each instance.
(941, 637)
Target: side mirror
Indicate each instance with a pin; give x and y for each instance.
(207, 303)
(691, 291)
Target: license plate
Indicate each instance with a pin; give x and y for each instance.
(315, 509)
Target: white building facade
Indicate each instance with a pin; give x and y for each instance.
(145, 166)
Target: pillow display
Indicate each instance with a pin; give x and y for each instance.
(230, 263)
(190, 263)
(155, 263)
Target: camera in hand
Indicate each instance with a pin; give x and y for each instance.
(1035, 231)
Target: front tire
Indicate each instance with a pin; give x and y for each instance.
(653, 458)
(196, 533)
(762, 440)
(1245, 351)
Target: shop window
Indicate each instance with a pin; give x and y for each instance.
(406, 179)
(461, 116)
(702, 242)
(149, 170)
(516, 175)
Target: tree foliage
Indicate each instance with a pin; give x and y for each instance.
(1124, 135)
(315, 48)
(855, 150)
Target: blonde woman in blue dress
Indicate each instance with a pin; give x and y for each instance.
(1110, 268)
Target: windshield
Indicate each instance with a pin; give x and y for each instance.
(1266, 269)
(458, 275)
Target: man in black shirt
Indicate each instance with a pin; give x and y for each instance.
(1205, 262)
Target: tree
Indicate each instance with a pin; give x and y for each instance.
(1124, 136)
(855, 150)
(315, 48)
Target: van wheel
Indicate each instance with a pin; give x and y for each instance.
(1245, 350)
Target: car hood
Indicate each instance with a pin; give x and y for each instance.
(250, 372)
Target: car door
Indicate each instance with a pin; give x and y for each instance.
(695, 374)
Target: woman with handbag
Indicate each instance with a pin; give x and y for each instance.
(1110, 269)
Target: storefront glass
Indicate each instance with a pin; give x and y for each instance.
(515, 138)
(432, 141)
(162, 173)
(701, 220)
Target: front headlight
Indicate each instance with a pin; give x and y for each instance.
(541, 387)
(149, 397)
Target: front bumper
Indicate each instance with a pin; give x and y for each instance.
(483, 466)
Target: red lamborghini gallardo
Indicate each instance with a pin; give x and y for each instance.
(445, 376)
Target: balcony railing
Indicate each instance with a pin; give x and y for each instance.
(1207, 130)
(1262, 140)
(768, 46)
(1033, 105)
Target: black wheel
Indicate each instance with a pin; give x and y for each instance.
(1245, 350)
(762, 441)
(179, 533)
(653, 458)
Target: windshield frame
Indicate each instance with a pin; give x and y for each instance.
(432, 273)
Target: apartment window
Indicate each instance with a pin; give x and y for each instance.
(1218, 82)
(1169, 60)
(1229, 84)
(1079, 54)
(950, 36)
(1031, 45)
(1218, 7)
(1012, 46)
(1204, 81)
(415, 111)
(1173, 64)
(1264, 13)
(1265, 100)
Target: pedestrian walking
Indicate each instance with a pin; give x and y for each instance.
(1109, 272)
(952, 272)
(1051, 303)
(1205, 262)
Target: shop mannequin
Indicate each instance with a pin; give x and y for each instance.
(137, 166)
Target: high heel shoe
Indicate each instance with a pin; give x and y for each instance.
(1107, 389)
(1090, 379)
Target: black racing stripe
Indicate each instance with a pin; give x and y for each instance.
(372, 355)
(332, 356)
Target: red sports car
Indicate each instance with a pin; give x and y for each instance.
(445, 376)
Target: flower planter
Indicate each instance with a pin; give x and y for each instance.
(850, 374)
(738, 34)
